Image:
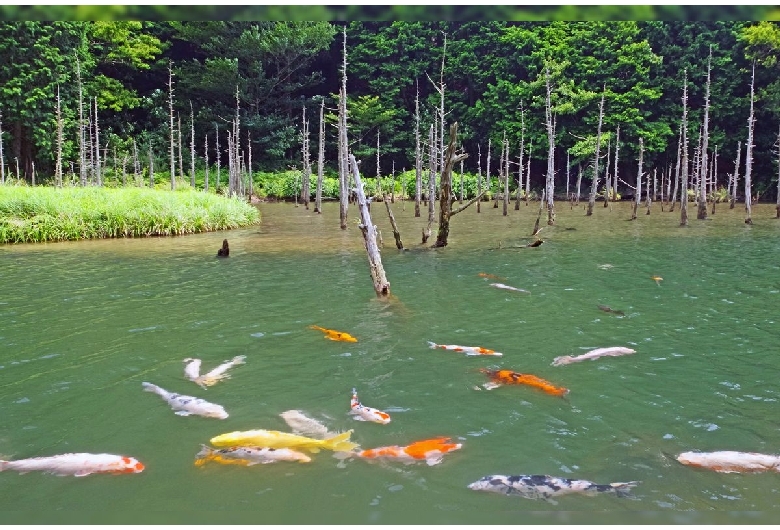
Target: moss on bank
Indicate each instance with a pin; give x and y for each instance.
(38, 214)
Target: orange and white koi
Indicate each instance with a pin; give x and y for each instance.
(508, 377)
(335, 335)
(76, 464)
(248, 456)
(431, 451)
(214, 376)
(363, 413)
(491, 276)
(612, 351)
(509, 288)
(468, 350)
(731, 461)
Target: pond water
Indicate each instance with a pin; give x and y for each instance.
(83, 324)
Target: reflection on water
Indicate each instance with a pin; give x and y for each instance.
(82, 324)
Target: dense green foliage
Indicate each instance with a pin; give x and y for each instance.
(37, 214)
(493, 72)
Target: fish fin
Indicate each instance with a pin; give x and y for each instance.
(433, 460)
(313, 449)
(623, 489)
(491, 385)
(204, 453)
(81, 474)
(340, 442)
(182, 413)
(200, 462)
(149, 387)
(432, 345)
(239, 359)
(551, 501)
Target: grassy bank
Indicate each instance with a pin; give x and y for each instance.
(37, 214)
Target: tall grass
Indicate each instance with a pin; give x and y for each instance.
(37, 214)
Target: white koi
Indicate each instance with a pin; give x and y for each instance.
(612, 351)
(363, 413)
(545, 487)
(219, 373)
(302, 424)
(508, 288)
(468, 350)
(186, 405)
(731, 461)
(249, 456)
(76, 464)
(192, 368)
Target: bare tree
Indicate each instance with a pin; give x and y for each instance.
(192, 146)
(520, 161)
(479, 174)
(96, 146)
(684, 174)
(607, 178)
(58, 164)
(305, 191)
(320, 160)
(714, 178)
(136, 165)
(343, 141)
(648, 199)
(151, 165)
(181, 158)
(702, 210)
(2, 158)
(777, 145)
(170, 126)
(249, 164)
(595, 183)
(216, 135)
(638, 194)
(206, 155)
(506, 174)
(673, 196)
(396, 233)
(417, 153)
(550, 180)
(431, 183)
(735, 178)
(82, 132)
(749, 153)
(528, 176)
(368, 229)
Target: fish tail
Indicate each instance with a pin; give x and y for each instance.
(340, 442)
(432, 345)
(149, 387)
(3, 465)
(239, 359)
(623, 489)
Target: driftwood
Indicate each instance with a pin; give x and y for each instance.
(381, 285)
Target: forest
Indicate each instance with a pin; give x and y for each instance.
(88, 100)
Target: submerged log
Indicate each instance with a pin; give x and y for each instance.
(398, 243)
(381, 285)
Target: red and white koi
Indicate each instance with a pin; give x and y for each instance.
(731, 461)
(612, 351)
(431, 451)
(249, 456)
(509, 288)
(186, 405)
(76, 464)
(192, 369)
(363, 413)
(468, 350)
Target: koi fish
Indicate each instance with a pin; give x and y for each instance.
(335, 335)
(657, 279)
(191, 368)
(218, 373)
(76, 464)
(248, 456)
(546, 487)
(468, 350)
(363, 413)
(278, 440)
(302, 424)
(491, 276)
(731, 461)
(186, 405)
(509, 377)
(608, 309)
(613, 351)
(509, 288)
(431, 451)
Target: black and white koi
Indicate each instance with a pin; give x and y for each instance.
(186, 405)
(545, 487)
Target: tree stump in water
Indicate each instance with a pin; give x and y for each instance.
(224, 252)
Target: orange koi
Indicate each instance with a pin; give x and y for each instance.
(508, 377)
(335, 335)
(491, 276)
(468, 350)
(431, 451)
(657, 279)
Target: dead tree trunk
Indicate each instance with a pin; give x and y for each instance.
(320, 161)
(431, 183)
(638, 193)
(219, 157)
(58, 165)
(396, 233)
(343, 142)
(181, 158)
(702, 210)
(381, 285)
(520, 161)
(733, 198)
(607, 178)
(579, 183)
(595, 183)
(170, 127)
(98, 177)
(550, 180)
(479, 174)
(684, 174)
(460, 200)
(714, 179)
(82, 137)
(749, 154)
(192, 146)
(506, 175)
(151, 166)
(2, 158)
(537, 228)
(777, 207)
(528, 176)
(673, 197)
(206, 156)
(648, 197)
(445, 195)
(417, 154)
(305, 191)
